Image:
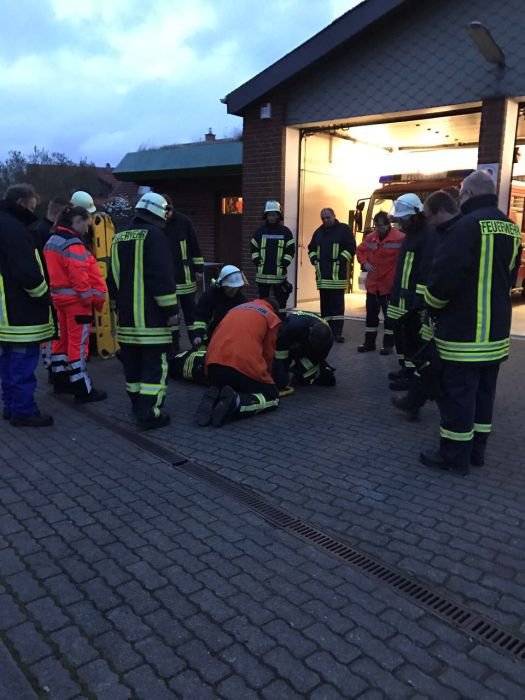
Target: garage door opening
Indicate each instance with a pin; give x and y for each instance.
(341, 167)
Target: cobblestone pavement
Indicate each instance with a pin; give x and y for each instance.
(123, 577)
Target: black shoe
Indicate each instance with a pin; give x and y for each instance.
(161, 422)
(403, 404)
(398, 374)
(402, 384)
(93, 396)
(225, 407)
(477, 459)
(206, 406)
(39, 420)
(62, 387)
(434, 460)
(366, 348)
(339, 339)
(386, 351)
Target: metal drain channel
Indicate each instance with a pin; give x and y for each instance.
(475, 625)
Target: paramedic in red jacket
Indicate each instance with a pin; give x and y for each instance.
(377, 255)
(76, 287)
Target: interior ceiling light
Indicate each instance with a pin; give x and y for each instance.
(486, 44)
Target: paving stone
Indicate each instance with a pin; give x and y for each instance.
(199, 659)
(129, 624)
(74, 646)
(28, 643)
(467, 687)
(25, 586)
(11, 614)
(425, 684)
(115, 649)
(48, 615)
(54, 680)
(213, 635)
(235, 687)
(292, 669)
(102, 682)
(161, 657)
(333, 643)
(247, 665)
(64, 590)
(88, 618)
(188, 686)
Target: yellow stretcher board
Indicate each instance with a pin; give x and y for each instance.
(105, 320)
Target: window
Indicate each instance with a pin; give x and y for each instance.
(231, 205)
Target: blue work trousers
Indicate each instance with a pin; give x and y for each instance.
(17, 373)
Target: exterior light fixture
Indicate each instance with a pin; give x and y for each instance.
(486, 44)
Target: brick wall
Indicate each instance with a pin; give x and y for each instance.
(263, 171)
(199, 198)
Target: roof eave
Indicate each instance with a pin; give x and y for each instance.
(336, 34)
(148, 175)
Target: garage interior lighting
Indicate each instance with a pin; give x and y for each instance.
(486, 43)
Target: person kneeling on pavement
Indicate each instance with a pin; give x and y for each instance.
(239, 364)
(303, 344)
(213, 305)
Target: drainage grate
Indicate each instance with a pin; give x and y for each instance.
(431, 599)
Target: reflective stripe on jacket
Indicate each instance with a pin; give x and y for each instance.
(382, 255)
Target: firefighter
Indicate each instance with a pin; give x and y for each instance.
(76, 287)
(188, 264)
(468, 293)
(441, 211)
(331, 249)
(272, 251)
(405, 296)
(239, 364)
(25, 308)
(212, 307)
(377, 255)
(84, 200)
(303, 344)
(142, 283)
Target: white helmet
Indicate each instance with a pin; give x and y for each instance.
(155, 204)
(84, 200)
(272, 205)
(230, 276)
(406, 205)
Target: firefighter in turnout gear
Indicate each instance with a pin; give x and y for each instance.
(213, 305)
(188, 265)
(143, 285)
(331, 249)
(303, 344)
(26, 319)
(377, 255)
(76, 287)
(406, 294)
(468, 292)
(239, 364)
(272, 251)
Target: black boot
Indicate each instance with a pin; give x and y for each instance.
(403, 404)
(38, 420)
(153, 423)
(366, 347)
(386, 351)
(397, 374)
(434, 460)
(226, 406)
(207, 403)
(93, 396)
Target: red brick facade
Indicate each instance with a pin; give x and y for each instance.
(199, 198)
(263, 170)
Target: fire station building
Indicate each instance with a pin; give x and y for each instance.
(400, 90)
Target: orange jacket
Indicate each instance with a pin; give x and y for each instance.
(383, 255)
(245, 340)
(74, 277)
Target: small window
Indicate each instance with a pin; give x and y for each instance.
(231, 205)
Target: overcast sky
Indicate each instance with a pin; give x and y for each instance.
(99, 78)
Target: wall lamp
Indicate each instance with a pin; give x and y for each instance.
(486, 44)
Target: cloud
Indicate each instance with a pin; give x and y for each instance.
(97, 78)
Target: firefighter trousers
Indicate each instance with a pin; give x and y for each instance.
(17, 373)
(466, 410)
(280, 295)
(333, 309)
(189, 365)
(187, 306)
(70, 351)
(146, 372)
(374, 304)
(254, 397)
